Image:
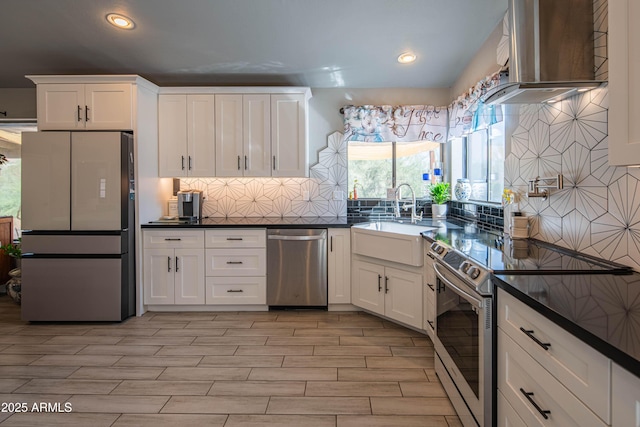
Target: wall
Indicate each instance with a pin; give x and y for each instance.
(18, 103)
(281, 197)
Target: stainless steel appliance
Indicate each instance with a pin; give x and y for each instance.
(297, 267)
(190, 204)
(78, 247)
(464, 334)
(464, 319)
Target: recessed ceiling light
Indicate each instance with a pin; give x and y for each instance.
(120, 21)
(406, 58)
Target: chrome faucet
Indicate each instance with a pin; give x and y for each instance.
(414, 217)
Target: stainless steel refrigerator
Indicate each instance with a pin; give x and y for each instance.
(78, 226)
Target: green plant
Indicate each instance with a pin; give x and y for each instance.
(440, 193)
(13, 250)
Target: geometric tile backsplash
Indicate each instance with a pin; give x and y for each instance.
(598, 211)
(280, 197)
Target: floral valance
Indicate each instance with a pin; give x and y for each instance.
(468, 113)
(405, 123)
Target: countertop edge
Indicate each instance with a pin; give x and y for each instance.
(617, 356)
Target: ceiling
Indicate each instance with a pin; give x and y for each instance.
(317, 43)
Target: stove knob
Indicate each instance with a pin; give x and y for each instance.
(465, 266)
(473, 272)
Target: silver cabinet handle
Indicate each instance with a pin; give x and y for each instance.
(235, 290)
(543, 412)
(280, 237)
(169, 264)
(234, 262)
(530, 333)
(177, 260)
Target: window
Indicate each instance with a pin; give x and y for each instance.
(378, 166)
(10, 172)
(480, 157)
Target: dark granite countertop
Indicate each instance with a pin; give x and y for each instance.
(268, 222)
(602, 310)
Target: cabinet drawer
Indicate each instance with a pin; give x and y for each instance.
(579, 367)
(236, 262)
(236, 238)
(174, 239)
(519, 373)
(507, 416)
(236, 290)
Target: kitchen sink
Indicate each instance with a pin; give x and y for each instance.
(390, 241)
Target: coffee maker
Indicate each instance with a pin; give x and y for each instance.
(190, 204)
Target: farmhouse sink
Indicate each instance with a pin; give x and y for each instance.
(390, 241)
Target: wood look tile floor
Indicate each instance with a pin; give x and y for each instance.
(229, 369)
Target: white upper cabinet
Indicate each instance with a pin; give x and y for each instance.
(288, 135)
(256, 132)
(100, 106)
(624, 86)
(186, 141)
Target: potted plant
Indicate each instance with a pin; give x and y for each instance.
(13, 250)
(440, 195)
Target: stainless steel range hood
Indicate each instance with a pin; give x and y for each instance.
(551, 52)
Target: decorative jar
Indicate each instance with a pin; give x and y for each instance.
(462, 190)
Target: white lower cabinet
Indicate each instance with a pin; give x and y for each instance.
(236, 271)
(507, 416)
(339, 266)
(429, 296)
(626, 398)
(388, 291)
(173, 267)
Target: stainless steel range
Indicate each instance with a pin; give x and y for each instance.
(463, 330)
(464, 334)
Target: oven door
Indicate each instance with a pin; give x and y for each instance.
(463, 343)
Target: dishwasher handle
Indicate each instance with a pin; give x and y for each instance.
(298, 238)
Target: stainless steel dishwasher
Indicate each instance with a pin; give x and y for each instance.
(297, 267)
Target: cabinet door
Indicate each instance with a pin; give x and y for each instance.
(228, 124)
(626, 398)
(624, 87)
(201, 145)
(159, 285)
(60, 106)
(339, 266)
(256, 118)
(189, 276)
(46, 175)
(429, 309)
(368, 286)
(288, 135)
(172, 135)
(107, 106)
(403, 296)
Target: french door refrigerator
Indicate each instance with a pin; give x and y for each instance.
(78, 226)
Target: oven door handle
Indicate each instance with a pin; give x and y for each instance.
(476, 301)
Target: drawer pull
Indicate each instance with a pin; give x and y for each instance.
(234, 238)
(543, 412)
(172, 239)
(235, 290)
(529, 333)
(234, 262)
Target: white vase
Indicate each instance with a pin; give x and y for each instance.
(438, 211)
(462, 190)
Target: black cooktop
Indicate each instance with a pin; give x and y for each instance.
(530, 256)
